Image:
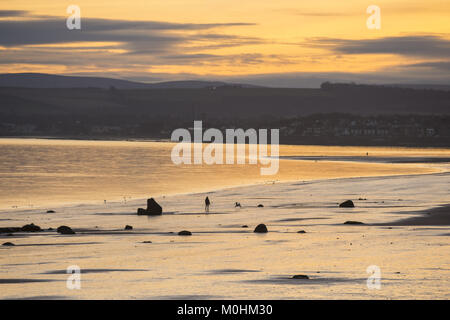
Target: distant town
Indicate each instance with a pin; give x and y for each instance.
(328, 129)
(408, 130)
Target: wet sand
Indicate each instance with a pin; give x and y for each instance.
(372, 159)
(439, 216)
(405, 233)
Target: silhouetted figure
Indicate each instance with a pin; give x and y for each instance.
(207, 203)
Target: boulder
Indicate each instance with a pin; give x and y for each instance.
(260, 206)
(65, 230)
(10, 229)
(353, 222)
(185, 233)
(31, 228)
(244, 226)
(141, 212)
(50, 211)
(153, 208)
(148, 241)
(9, 244)
(300, 276)
(347, 204)
(301, 231)
(261, 228)
(127, 227)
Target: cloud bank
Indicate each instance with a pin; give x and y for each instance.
(137, 47)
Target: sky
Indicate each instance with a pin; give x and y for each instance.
(293, 43)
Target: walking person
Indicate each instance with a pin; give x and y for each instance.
(207, 203)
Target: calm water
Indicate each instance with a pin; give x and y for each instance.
(40, 172)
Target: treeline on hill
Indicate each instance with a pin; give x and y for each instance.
(333, 114)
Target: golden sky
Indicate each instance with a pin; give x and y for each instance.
(218, 38)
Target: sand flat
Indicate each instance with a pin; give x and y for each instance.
(222, 259)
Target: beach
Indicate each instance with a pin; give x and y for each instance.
(252, 152)
(224, 260)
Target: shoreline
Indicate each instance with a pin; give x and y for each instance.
(307, 235)
(393, 163)
(167, 140)
(116, 203)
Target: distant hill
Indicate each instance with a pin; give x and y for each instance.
(337, 113)
(42, 80)
(171, 100)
